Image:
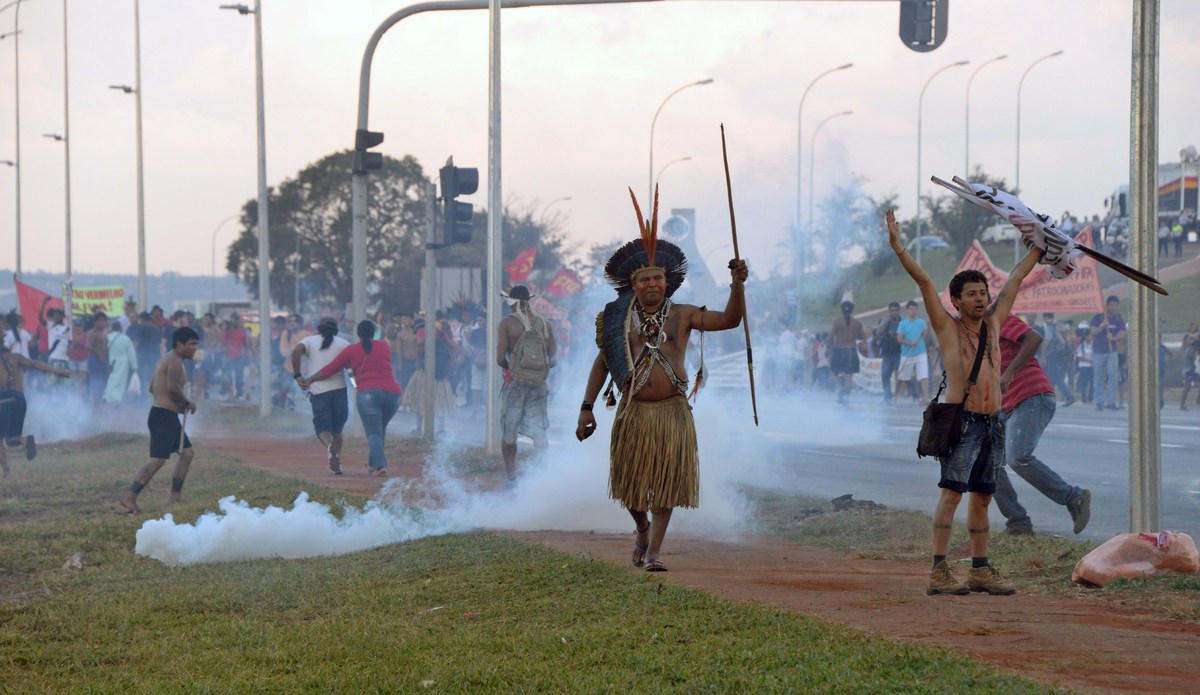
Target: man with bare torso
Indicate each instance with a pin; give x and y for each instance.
(166, 433)
(97, 346)
(971, 466)
(12, 403)
(643, 337)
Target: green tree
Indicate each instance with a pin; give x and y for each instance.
(310, 233)
(958, 220)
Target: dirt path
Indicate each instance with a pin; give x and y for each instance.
(1091, 644)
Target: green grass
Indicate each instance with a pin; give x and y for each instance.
(464, 613)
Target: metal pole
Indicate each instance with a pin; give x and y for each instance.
(801, 236)
(967, 129)
(920, 109)
(1145, 449)
(214, 259)
(264, 256)
(812, 158)
(67, 157)
(1017, 183)
(495, 228)
(667, 166)
(17, 121)
(141, 196)
(429, 290)
(650, 176)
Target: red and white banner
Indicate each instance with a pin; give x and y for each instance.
(1078, 293)
(564, 284)
(521, 266)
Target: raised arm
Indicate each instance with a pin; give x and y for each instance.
(937, 319)
(1008, 293)
(735, 308)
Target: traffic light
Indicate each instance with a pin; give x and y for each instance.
(456, 215)
(923, 23)
(363, 160)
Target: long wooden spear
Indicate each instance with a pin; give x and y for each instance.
(737, 257)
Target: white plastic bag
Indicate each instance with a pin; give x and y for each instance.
(1138, 554)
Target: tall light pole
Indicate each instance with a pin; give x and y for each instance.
(967, 129)
(650, 176)
(214, 257)
(800, 243)
(1017, 183)
(552, 203)
(812, 157)
(668, 166)
(16, 163)
(141, 200)
(264, 256)
(920, 109)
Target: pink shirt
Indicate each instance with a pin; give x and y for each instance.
(1031, 380)
(372, 370)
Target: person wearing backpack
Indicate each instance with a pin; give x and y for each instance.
(525, 351)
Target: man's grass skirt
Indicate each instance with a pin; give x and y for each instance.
(653, 455)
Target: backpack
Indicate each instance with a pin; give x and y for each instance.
(528, 361)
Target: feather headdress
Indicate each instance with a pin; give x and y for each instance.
(648, 251)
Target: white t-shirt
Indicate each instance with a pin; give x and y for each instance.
(62, 333)
(318, 358)
(20, 347)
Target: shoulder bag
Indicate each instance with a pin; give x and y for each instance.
(941, 427)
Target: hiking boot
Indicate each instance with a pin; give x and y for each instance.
(1081, 510)
(943, 581)
(988, 580)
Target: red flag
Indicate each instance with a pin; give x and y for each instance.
(34, 304)
(564, 284)
(522, 265)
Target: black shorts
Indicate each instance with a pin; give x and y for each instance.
(844, 361)
(330, 411)
(164, 433)
(12, 413)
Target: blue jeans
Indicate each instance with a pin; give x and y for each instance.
(972, 464)
(376, 409)
(1104, 372)
(888, 367)
(1023, 427)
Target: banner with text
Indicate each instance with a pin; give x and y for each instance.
(1078, 293)
(109, 298)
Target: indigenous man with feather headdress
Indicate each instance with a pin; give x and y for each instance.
(643, 338)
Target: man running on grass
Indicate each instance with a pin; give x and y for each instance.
(166, 433)
(12, 403)
(971, 465)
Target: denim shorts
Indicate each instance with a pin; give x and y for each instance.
(971, 466)
(330, 411)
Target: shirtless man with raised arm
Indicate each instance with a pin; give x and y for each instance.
(971, 466)
(166, 433)
(12, 403)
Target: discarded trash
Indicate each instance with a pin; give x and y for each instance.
(1132, 555)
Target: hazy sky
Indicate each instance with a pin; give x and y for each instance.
(581, 86)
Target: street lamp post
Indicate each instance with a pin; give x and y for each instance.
(16, 163)
(136, 91)
(812, 157)
(967, 129)
(650, 176)
(1017, 183)
(800, 257)
(668, 166)
(552, 203)
(214, 258)
(264, 257)
(920, 108)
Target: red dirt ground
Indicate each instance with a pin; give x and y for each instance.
(1096, 644)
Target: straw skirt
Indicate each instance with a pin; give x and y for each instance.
(654, 461)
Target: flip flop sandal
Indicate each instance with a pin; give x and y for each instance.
(639, 551)
(655, 566)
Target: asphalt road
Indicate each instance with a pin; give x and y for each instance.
(874, 458)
